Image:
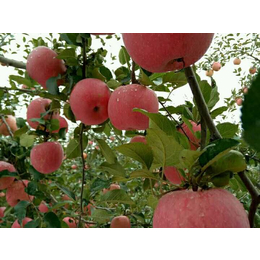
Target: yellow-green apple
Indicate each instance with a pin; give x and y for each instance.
(47, 157)
(122, 102)
(120, 222)
(42, 65)
(89, 101)
(213, 208)
(5, 182)
(161, 52)
(11, 121)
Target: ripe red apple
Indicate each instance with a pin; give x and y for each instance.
(239, 101)
(214, 208)
(209, 73)
(42, 64)
(252, 70)
(47, 157)
(74, 167)
(63, 124)
(237, 61)
(216, 66)
(5, 182)
(194, 141)
(11, 121)
(70, 222)
(43, 207)
(161, 52)
(120, 222)
(138, 139)
(24, 222)
(16, 192)
(37, 107)
(173, 175)
(122, 102)
(89, 101)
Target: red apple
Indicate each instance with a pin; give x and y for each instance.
(63, 124)
(245, 90)
(42, 64)
(37, 107)
(214, 208)
(74, 167)
(43, 207)
(216, 66)
(161, 52)
(138, 139)
(173, 175)
(120, 222)
(47, 157)
(237, 61)
(11, 121)
(209, 73)
(16, 192)
(5, 182)
(2, 210)
(252, 70)
(194, 141)
(239, 101)
(70, 222)
(122, 102)
(89, 101)
(114, 187)
(90, 142)
(24, 222)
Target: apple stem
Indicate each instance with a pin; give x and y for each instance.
(7, 126)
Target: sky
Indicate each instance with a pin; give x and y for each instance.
(226, 80)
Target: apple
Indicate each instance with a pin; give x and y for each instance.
(16, 192)
(85, 156)
(11, 121)
(162, 52)
(214, 208)
(47, 157)
(63, 124)
(90, 142)
(64, 198)
(2, 210)
(120, 222)
(24, 222)
(74, 167)
(245, 90)
(239, 101)
(209, 73)
(5, 182)
(237, 61)
(89, 101)
(194, 141)
(37, 107)
(122, 102)
(112, 138)
(43, 208)
(173, 175)
(252, 70)
(114, 187)
(70, 222)
(138, 139)
(42, 64)
(2, 194)
(216, 66)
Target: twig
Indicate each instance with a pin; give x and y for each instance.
(7, 126)
(13, 63)
(133, 78)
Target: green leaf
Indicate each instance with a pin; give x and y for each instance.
(214, 98)
(27, 140)
(6, 173)
(66, 191)
(68, 113)
(21, 131)
(144, 79)
(113, 84)
(51, 220)
(21, 80)
(117, 196)
(73, 148)
(101, 216)
(144, 174)
(218, 111)
(251, 116)
(99, 184)
(105, 72)
(152, 201)
(138, 151)
(70, 38)
(106, 151)
(113, 169)
(227, 130)
(67, 53)
(178, 79)
(216, 150)
(33, 224)
(20, 210)
(123, 56)
(36, 175)
(52, 86)
(188, 158)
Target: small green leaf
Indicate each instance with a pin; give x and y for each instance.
(33, 223)
(144, 174)
(101, 216)
(73, 148)
(117, 196)
(52, 86)
(113, 169)
(20, 210)
(227, 130)
(106, 151)
(27, 140)
(68, 113)
(66, 191)
(51, 220)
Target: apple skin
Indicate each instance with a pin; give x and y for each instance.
(42, 64)
(138, 139)
(239, 101)
(216, 66)
(120, 222)
(43, 208)
(209, 73)
(47, 157)
(89, 101)
(24, 222)
(237, 61)
(214, 208)
(2, 214)
(16, 193)
(252, 70)
(173, 175)
(63, 124)
(195, 142)
(159, 52)
(5, 182)
(122, 102)
(37, 107)
(11, 121)
(70, 222)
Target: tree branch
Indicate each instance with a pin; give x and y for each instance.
(7, 126)
(13, 63)
(201, 104)
(203, 134)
